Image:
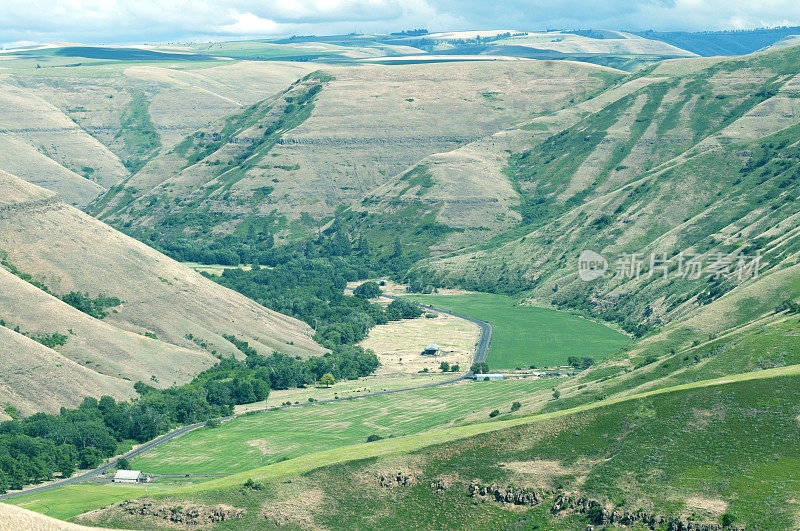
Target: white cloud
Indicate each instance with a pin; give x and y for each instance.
(169, 20)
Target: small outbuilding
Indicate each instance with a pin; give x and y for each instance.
(130, 476)
(431, 350)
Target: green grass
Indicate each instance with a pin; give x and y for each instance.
(403, 445)
(138, 132)
(527, 335)
(66, 502)
(724, 443)
(278, 435)
(215, 490)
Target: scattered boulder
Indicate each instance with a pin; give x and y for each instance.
(398, 479)
(192, 515)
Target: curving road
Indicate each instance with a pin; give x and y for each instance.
(481, 350)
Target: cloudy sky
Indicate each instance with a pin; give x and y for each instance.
(136, 21)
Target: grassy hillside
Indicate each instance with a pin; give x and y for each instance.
(719, 137)
(644, 453)
(527, 335)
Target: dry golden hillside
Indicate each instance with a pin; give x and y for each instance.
(36, 378)
(14, 518)
(44, 128)
(67, 251)
(278, 161)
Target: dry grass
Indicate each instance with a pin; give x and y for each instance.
(36, 378)
(70, 251)
(14, 518)
(399, 344)
(45, 128)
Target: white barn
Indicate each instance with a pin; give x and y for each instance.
(130, 476)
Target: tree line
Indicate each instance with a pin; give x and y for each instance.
(37, 448)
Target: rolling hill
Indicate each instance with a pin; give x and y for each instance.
(268, 168)
(681, 179)
(720, 135)
(165, 326)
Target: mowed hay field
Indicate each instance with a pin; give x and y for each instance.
(527, 335)
(349, 388)
(240, 444)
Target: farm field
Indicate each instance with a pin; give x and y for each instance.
(240, 444)
(399, 344)
(527, 335)
(349, 388)
(66, 502)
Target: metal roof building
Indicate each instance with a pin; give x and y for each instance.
(129, 476)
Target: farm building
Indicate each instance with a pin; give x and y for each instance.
(431, 350)
(130, 476)
(489, 376)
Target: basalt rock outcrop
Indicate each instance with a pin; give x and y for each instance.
(192, 515)
(597, 513)
(397, 479)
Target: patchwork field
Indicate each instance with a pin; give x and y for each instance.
(674, 436)
(527, 335)
(241, 444)
(349, 388)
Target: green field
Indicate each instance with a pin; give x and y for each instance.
(718, 443)
(240, 444)
(527, 335)
(66, 502)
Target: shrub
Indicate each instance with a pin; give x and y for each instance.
(212, 423)
(516, 406)
(580, 363)
(373, 438)
(494, 413)
(368, 290)
(402, 309)
(444, 366)
(123, 464)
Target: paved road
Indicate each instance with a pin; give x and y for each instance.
(481, 350)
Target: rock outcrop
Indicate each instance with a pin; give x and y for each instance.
(192, 515)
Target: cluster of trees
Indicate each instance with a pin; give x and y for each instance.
(94, 306)
(38, 447)
(51, 340)
(312, 290)
(280, 371)
(580, 363)
(446, 367)
(479, 368)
